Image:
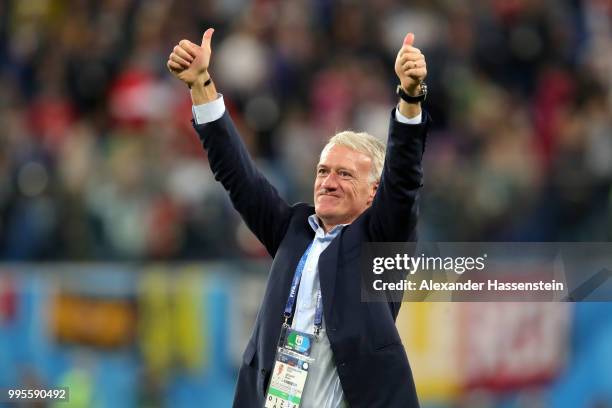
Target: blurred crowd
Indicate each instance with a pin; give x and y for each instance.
(98, 160)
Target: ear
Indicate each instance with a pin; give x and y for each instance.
(373, 189)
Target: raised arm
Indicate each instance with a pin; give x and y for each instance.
(257, 201)
(394, 211)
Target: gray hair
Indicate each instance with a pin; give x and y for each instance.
(364, 143)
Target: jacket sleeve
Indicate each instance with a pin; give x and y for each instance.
(257, 201)
(394, 211)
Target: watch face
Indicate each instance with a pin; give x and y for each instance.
(423, 88)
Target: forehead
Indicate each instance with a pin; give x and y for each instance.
(343, 156)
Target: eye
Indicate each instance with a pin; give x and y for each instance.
(344, 174)
(321, 171)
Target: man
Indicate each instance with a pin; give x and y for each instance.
(359, 360)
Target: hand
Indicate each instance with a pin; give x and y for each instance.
(410, 66)
(189, 62)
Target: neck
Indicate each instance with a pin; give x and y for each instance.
(328, 226)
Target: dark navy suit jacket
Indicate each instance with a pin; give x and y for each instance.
(370, 358)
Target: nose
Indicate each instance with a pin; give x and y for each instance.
(330, 182)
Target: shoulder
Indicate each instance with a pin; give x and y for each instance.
(300, 213)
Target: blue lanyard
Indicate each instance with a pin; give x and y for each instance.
(318, 321)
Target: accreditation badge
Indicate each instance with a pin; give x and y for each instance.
(290, 369)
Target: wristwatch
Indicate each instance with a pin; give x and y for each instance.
(412, 99)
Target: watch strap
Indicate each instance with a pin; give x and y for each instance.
(412, 99)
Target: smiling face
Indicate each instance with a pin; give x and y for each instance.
(343, 188)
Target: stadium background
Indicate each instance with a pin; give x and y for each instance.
(126, 274)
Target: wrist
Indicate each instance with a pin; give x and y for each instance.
(412, 89)
(202, 80)
(203, 90)
(414, 96)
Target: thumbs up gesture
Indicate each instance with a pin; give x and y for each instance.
(410, 66)
(189, 62)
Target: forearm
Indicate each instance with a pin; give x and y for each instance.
(257, 201)
(394, 210)
(409, 110)
(403, 160)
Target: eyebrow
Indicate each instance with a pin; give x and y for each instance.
(326, 167)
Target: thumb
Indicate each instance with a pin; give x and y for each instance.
(409, 39)
(206, 37)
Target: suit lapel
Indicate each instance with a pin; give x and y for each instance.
(328, 263)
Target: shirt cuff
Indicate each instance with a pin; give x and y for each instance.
(409, 121)
(208, 112)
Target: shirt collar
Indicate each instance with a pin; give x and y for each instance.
(313, 220)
